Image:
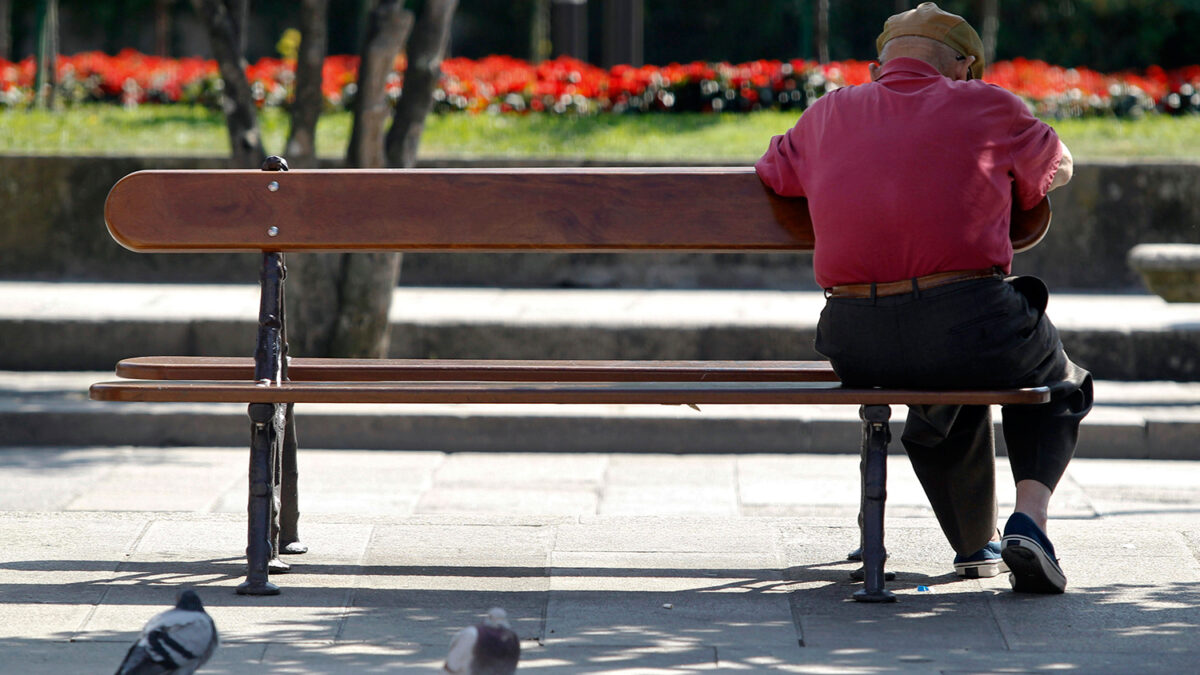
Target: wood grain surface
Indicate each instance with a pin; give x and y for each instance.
(562, 209)
(359, 370)
(671, 393)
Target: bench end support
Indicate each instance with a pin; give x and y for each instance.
(876, 437)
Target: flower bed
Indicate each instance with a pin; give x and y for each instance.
(501, 84)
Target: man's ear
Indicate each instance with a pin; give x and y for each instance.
(966, 71)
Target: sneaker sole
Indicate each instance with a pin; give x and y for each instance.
(1032, 571)
(983, 569)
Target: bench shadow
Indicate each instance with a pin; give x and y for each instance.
(404, 615)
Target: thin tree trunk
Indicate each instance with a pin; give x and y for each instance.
(387, 32)
(539, 32)
(6, 29)
(47, 54)
(241, 118)
(162, 28)
(301, 149)
(823, 31)
(426, 50)
(240, 11)
(991, 27)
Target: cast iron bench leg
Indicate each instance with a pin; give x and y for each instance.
(276, 564)
(876, 436)
(289, 509)
(267, 433)
(261, 504)
(289, 475)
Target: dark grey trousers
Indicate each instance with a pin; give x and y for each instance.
(987, 333)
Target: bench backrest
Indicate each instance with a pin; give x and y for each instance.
(454, 210)
(577, 209)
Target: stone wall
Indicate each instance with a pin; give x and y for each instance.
(52, 228)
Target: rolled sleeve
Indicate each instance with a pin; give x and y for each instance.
(780, 167)
(1036, 154)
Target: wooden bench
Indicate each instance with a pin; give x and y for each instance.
(606, 209)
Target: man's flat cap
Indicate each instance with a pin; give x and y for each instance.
(930, 21)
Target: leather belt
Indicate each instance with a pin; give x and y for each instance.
(928, 281)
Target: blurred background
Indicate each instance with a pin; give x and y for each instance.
(1105, 35)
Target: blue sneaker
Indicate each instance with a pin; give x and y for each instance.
(1030, 557)
(984, 563)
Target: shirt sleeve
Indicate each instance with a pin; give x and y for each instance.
(1036, 153)
(780, 167)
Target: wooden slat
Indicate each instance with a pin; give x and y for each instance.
(541, 392)
(594, 209)
(358, 370)
(583, 209)
(589, 209)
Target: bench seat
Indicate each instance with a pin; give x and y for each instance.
(666, 393)
(509, 370)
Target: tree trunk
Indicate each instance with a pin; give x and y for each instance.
(342, 301)
(47, 54)
(6, 29)
(991, 26)
(539, 32)
(624, 30)
(568, 28)
(240, 11)
(387, 32)
(162, 28)
(367, 283)
(301, 149)
(425, 52)
(823, 31)
(225, 31)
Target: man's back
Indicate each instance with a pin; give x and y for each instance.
(912, 174)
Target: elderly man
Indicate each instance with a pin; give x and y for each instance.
(910, 180)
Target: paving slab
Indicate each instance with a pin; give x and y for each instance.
(677, 619)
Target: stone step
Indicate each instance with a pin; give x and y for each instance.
(64, 326)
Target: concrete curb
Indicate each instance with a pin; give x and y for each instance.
(1121, 426)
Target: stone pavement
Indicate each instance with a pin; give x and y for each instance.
(606, 563)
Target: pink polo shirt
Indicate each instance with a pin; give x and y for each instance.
(912, 174)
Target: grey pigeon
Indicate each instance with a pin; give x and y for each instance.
(177, 641)
(487, 648)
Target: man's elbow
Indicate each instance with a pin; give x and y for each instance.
(1066, 169)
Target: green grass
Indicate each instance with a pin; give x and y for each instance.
(193, 131)
(1154, 137)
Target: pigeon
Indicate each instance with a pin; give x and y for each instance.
(487, 648)
(177, 641)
